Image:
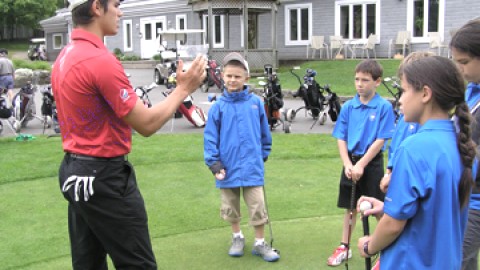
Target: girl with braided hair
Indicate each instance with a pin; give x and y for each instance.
(423, 219)
(465, 47)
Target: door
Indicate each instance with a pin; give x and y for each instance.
(149, 28)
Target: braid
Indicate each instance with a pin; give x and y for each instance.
(448, 88)
(467, 147)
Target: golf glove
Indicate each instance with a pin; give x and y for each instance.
(84, 183)
(216, 167)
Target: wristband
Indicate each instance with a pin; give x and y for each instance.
(365, 249)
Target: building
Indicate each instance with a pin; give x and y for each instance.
(276, 30)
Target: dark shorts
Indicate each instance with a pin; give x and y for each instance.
(368, 185)
(106, 215)
(6, 81)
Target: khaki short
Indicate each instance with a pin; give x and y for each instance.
(253, 196)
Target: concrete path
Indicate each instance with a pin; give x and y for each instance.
(302, 123)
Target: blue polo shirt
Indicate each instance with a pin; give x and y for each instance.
(472, 97)
(424, 191)
(361, 124)
(402, 130)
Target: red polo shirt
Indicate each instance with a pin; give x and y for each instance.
(92, 94)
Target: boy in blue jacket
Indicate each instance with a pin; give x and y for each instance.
(365, 123)
(237, 142)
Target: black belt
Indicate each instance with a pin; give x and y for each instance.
(90, 158)
(8, 74)
(354, 158)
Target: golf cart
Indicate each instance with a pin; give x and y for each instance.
(172, 47)
(37, 49)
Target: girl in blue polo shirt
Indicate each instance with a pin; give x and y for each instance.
(424, 213)
(402, 129)
(465, 47)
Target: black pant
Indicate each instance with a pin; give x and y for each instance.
(111, 219)
(368, 185)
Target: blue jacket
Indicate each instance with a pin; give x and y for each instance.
(237, 137)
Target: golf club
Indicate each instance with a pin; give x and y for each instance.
(366, 231)
(269, 221)
(350, 221)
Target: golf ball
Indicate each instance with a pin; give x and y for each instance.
(365, 205)
(220, 176)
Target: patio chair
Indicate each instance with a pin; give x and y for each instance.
(336, 44)
(317, 43)
(436, 42)
(401, 42)
(370, 45)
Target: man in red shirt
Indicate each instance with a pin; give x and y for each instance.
(97, 108)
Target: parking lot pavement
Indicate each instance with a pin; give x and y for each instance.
(301, 124)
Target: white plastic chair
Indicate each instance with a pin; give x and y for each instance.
(370, 45)
(436, 42)
(336, 43)
(402, 41)
(317, 43)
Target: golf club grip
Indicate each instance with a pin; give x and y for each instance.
(366, 227)
(366, 231)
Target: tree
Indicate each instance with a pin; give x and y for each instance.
(62, 3)
(25, 12)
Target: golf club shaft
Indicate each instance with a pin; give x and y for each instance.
(366, 231)
(268, 215)
(350, 221)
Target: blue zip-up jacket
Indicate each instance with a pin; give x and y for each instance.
(237, 137)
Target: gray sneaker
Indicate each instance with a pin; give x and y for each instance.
(267, 253)
(236, 250)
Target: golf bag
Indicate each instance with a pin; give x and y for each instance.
(5, 110)
(194, 114)
(48, 109)
(333, 103)
(24, 109)
(395, 92)
(142, 93)
(273, 101)
(215, 74)
(310, 92)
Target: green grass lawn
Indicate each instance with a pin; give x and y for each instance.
(182, 203)
(339, 74)
(15, 45)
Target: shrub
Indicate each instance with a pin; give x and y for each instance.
(157, 57)
(130, 57)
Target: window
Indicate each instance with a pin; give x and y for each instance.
(252, 31)
(218, 30)
(57, 41)
(181, 22)
(425, 16)
(148, 31)
(127, 36)
(298, 24)
(356, 19)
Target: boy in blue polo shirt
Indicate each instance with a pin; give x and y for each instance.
(364, 124)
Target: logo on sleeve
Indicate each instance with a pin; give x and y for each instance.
(124, 94)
